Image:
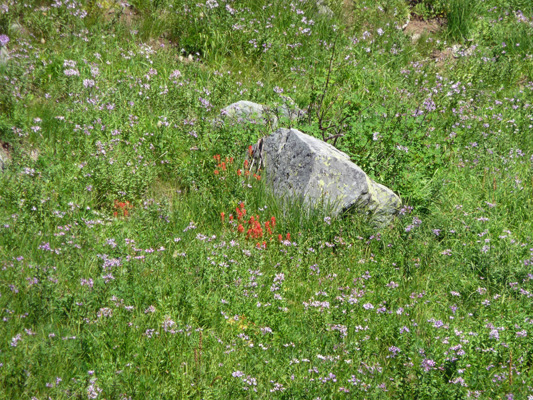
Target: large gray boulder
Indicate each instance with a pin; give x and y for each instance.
(249, 112)
(299, 165)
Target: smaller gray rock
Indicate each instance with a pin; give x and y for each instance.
(249, 112)
(17, 29)
(246, 111)
(323, 9)
(288, 109)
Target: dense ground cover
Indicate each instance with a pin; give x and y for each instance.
(140, 258)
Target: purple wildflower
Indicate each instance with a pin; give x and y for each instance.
(427, 364)
(4, 40)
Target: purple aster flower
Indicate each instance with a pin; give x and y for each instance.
(4, 40)
(427, 364)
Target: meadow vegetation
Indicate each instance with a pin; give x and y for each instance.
(140, 258)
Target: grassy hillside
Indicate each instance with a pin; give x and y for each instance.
(127, 270)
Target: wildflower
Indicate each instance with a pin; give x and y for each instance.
(88, 83)
(150, 310)
(93, 390)
(222, 215)
(105, 312)
(394, 351)
(427, 364)
(71, 72)
(4, 40)
(15, 340)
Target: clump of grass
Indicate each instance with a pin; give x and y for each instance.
(460, 16)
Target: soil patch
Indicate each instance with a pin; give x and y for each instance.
(442, 57)
(416, 28)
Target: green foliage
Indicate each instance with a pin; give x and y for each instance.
(460, 16)
(131, 267)
(429, 8)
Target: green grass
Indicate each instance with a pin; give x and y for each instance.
(119, 277)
